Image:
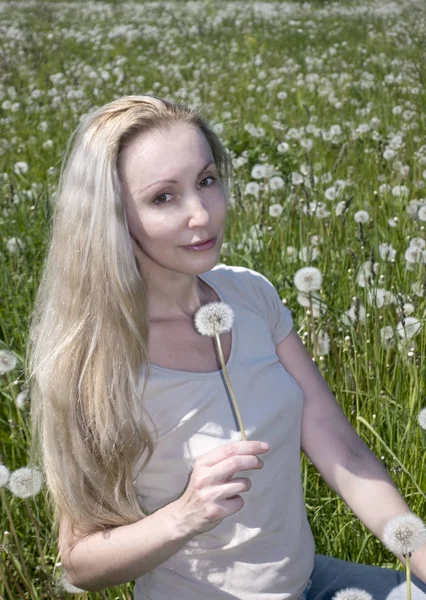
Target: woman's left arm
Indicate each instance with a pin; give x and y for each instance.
(347, 465)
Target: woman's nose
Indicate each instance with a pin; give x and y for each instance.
(198, 210)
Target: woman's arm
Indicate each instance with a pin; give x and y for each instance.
(122, 554)
(345, 462)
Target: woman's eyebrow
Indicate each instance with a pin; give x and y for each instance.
(174, 180)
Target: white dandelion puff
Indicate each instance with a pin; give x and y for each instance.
(413, 255)
(213, 318)
(387, 336)
(399, 191)
(361, 216)
(21, 397)
(412, 208)
(291, 254)
(276, 183)
(4, 475)
(386, 251)
(13, 245)
(252, 188)
(404, 534)
(422, 213)
(20, 168)
(422, 418)
(330, 193)
(380, 297)
(408, 308)
(340, 208)
(307, 144)
(409, 328)
(25, 482)
(309, 253)
(417, 242)
(418, 288)
(349, 317)
(389, 153)
(323, 343)
(8, 361)
(296, 178)
(283, 147)
(352, 593)
(275, 210)
(366, 272)
(258, 172)
(384, 188)
(308, 279)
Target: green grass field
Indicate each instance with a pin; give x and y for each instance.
(321, 105)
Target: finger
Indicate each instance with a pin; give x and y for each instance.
(228, 450)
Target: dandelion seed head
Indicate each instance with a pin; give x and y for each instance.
(214, 317)
(21, 397)
(361, 216)
(8, 361)
(340, 207)
(258, 171)
(308, 279)
(275, 210)
(409, 328)
(283, 147)
(276, 182)
(13, 245)
(404, 534)
(422, 418)
(296, 178)
(25, 482)
(352, 593)
(20, 168)
(417, 288)
(252, 188)
(422, 213)
(4, 475)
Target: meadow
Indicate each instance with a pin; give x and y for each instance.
(321, 106)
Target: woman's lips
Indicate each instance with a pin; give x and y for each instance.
(205, 246)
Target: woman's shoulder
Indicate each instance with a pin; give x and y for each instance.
(234, 276)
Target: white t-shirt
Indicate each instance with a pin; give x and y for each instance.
(266, 550)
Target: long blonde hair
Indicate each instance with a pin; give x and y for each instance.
(88, 338)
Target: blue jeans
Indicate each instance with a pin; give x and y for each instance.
(332, 574)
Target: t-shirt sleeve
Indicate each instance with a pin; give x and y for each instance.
(279, 317)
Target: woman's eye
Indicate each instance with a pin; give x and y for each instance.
(157, 199)
(209, 177)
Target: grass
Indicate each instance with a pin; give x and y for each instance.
(338, 64)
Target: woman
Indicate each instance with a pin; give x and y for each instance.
(129, 406)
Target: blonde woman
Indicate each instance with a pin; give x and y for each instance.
(131, 422)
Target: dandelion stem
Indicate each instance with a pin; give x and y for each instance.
(4, 579)
(407, 561)
(18, 546)
(228, 382)
(40, 549)
(367, 424)
(311, 310)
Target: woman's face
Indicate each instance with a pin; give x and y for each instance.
(165, 215)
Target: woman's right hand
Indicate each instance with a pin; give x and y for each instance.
(212, 494)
